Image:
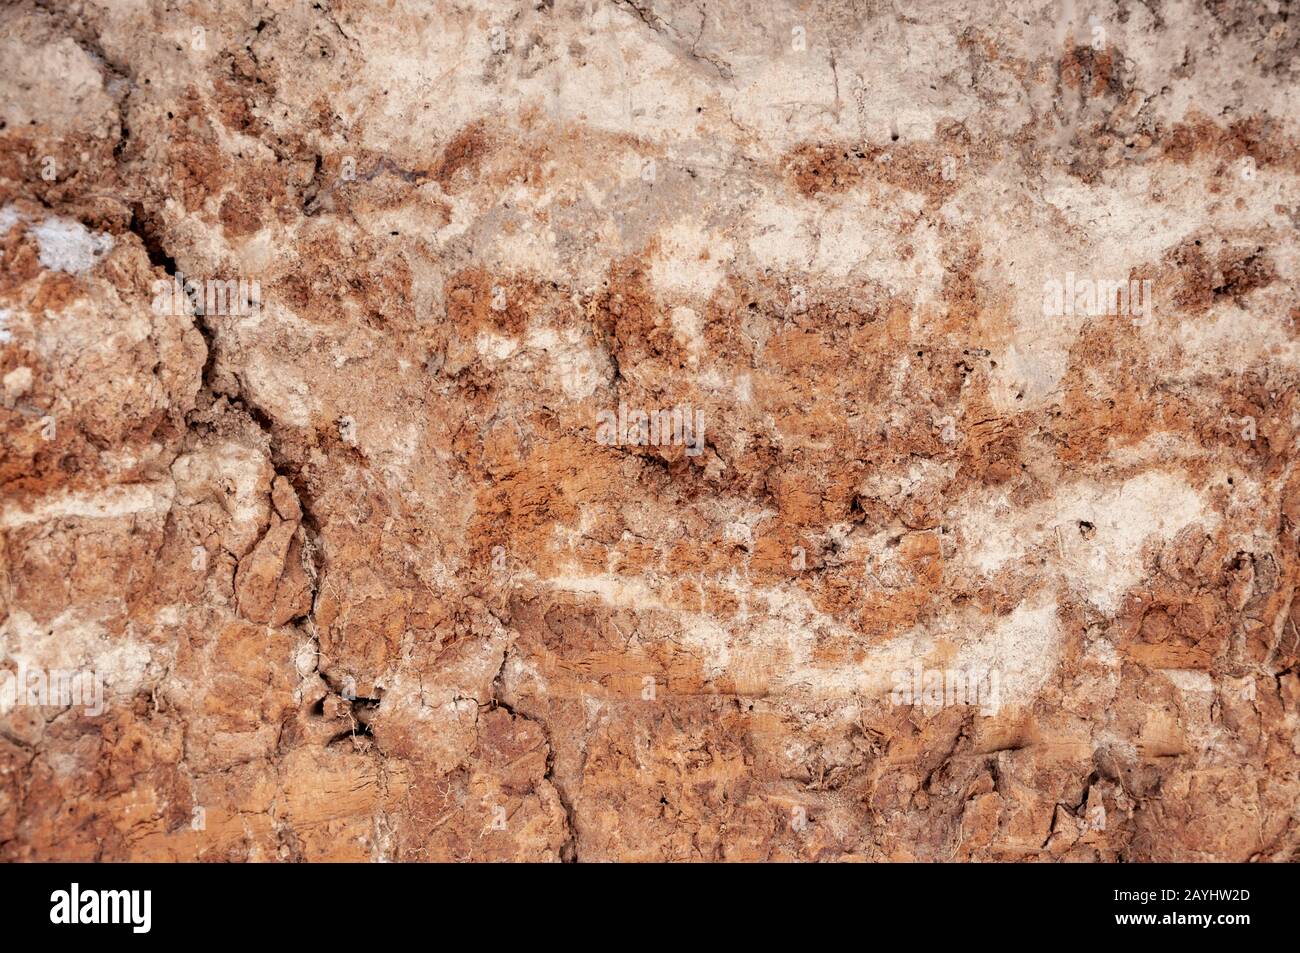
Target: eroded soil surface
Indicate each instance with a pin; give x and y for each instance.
(360, 573)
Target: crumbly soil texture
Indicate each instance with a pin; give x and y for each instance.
(649, 430)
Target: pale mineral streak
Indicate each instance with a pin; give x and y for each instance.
(314, 319)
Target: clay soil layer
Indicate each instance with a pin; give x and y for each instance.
(630, 430)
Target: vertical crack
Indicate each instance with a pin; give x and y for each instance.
(569, 849)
